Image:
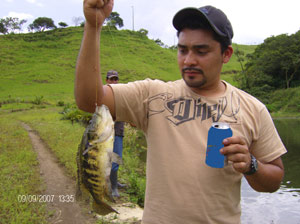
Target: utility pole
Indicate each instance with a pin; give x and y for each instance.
(132, 18)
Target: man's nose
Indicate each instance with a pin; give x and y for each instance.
(190, 59)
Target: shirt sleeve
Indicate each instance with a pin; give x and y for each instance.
(268, 146)
(131, 102)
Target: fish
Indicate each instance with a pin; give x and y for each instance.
(94, 160)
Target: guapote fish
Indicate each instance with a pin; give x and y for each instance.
(94, 159)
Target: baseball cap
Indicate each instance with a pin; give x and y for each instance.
(215, 18)
(111, 74)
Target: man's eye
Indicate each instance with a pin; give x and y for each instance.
(182, 50)
(202, 52)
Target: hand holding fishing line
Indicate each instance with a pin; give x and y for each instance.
(96, 17)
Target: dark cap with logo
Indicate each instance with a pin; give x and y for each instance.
(215, 18)
(111, 74)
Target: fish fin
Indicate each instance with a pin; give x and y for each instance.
(117, 159)
(103, 208)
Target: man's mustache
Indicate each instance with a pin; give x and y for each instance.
(192, 70)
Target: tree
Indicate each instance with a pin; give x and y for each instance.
(41, 24)
(10, 24)
(114, 20)
(62, 24)
(143, 31)
(159, 42)
(77, 20)
(241, 58)
(3, 29)
(275, 62)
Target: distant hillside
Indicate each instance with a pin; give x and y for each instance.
(43, 64)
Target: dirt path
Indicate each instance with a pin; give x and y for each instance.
(63, 188)
(57, 184)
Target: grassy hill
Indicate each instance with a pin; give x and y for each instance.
(41, 66)
(37, 79)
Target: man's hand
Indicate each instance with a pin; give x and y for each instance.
(237, 152)
(99, 8)
(269, 175)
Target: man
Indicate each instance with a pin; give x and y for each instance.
(176, 117)
(112, 77)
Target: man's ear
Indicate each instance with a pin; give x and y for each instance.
(227, 54)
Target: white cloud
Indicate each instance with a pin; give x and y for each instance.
(36, 3)
(20, 15)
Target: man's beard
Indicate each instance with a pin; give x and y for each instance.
(190, 82)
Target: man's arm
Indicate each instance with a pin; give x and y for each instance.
(268, 176)
(89, 88)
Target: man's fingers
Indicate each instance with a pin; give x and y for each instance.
(95, 3)
(237, 157)
(237, 152)
(234, 148)
(234, 140)
(96, 11)
(101, 3)
(240, 167)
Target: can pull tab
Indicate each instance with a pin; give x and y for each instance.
(220, 125)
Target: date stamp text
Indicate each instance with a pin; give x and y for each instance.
(45, 198)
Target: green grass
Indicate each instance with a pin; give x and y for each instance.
(19, 175)
(63, 137)
(37, 73)
(233, 65)
(133, 171)
(285, 102)
(43, 64)
(60, 135)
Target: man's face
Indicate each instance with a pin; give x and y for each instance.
(112, 80)
(200, 59)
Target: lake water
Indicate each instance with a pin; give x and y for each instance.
(283, 206)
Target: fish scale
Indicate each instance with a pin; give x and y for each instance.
(94, 160)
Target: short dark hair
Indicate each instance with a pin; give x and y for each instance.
(194, 24)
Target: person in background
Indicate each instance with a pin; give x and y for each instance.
(112, 77)
(176, 116)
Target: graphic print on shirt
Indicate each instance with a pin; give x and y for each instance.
(184, 109)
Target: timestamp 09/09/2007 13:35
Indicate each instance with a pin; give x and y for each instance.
(44, 198)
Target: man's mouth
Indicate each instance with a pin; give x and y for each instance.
(192, 71)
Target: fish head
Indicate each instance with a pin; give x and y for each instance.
(101, 124)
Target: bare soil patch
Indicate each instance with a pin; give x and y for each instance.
(61, 189)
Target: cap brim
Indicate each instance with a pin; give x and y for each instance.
(111, 76)
(192, 12)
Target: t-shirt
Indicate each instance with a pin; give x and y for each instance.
(180, 187)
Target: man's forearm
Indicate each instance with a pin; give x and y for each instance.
(88, 82)
(268, 177)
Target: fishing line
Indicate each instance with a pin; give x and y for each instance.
(115, 45)
(97, 72)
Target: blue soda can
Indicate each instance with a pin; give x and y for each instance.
(216, 134)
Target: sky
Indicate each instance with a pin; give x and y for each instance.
(252, 21)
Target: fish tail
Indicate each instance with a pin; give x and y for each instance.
(102, 208)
